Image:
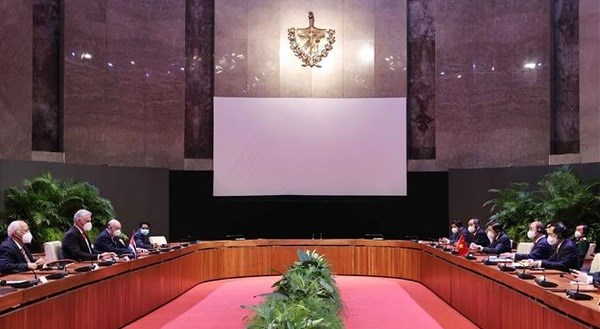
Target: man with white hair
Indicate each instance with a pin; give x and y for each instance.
(109, 240)
(76, 245)
(14, 255)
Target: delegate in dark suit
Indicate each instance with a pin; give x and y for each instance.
(142, 240)
(455, 236)
(11, 257)
(479, 237)
(499, 245)
(74, 246)
(107, 243)
(541, 250)
(564, 258)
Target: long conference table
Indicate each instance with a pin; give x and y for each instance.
(113, 296)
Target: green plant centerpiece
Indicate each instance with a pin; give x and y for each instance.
(48, 205)
(305, 297)
(560, 196)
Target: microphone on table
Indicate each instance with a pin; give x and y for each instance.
(488, 261)
(86, 268)
(236, 237)
(374, 236)
(525, 276)
(542, 282)
(35, 277)
(320, 235)
(505, 268)
(576, 295)
(21, 284)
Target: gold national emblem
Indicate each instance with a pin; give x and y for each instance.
(311, 44)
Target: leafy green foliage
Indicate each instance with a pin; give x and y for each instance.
(305, 297)
(560, 195)
(48, 206)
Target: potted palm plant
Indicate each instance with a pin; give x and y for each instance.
(48, 205)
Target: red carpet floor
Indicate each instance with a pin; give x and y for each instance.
(369, 302)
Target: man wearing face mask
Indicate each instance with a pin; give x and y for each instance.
(14, 255)
(109, 240)
(76, 245)
(541, 248)
(142, 237)
(476, 234)
(500, 242)
(581, 242)
(564, 256)
(456, 229)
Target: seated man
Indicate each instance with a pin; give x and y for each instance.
(476, 234)
(76, 244)
(541, 248)
(142, 238)
(500, 241)
(456, 229)
(564, 256)
(109, 240)
(14, 255)
(581, 242)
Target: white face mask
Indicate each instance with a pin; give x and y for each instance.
(491, 235)
(27, 237)
(531, 235)
(145, 231)
(471, 229)
(455, 230)
(552, 240)
(87, 227)
(116, 232)
(577, 234)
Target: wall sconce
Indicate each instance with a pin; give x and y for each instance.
(306, 43)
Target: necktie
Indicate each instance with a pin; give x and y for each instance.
(87, 242)
(27, 259)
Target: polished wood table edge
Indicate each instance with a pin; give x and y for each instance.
(361, 260)
(77, 280)
(585, 312)
(308, 242)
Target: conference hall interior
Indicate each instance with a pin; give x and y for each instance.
(300, 164)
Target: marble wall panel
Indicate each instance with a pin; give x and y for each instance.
(16, 24)
(231, 67)
(421, 82)
(164, 102)
(83, 81)
(263, 68)
(358, 72)
(488, 105)
(589, 80)
(565, 120)
(199, 78)
(359, 48)
(130, 89)
(390, 76)
(47, 118)
(263, 50)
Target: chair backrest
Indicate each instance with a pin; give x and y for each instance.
(158, 239)
(52, 251)
(524, 247)
(590, 252)
(595, 267)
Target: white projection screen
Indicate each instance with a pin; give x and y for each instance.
(309, 146)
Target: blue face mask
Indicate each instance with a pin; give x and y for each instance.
(145, 231)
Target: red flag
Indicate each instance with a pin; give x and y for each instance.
(461, 246)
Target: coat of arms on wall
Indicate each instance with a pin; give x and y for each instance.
(311, 44)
